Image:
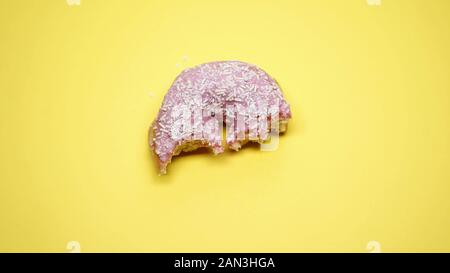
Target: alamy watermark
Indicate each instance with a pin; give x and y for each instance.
(373, 2)
(73, 2)
(373, 247)
(73, 247)
(254, 122)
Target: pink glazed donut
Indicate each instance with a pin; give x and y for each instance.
(206, 97)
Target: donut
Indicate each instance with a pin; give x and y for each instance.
(204, 98)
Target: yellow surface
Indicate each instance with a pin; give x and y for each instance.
(366, 156)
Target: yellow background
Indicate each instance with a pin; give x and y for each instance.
(366, 156)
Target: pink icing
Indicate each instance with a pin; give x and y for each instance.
(210, 94)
